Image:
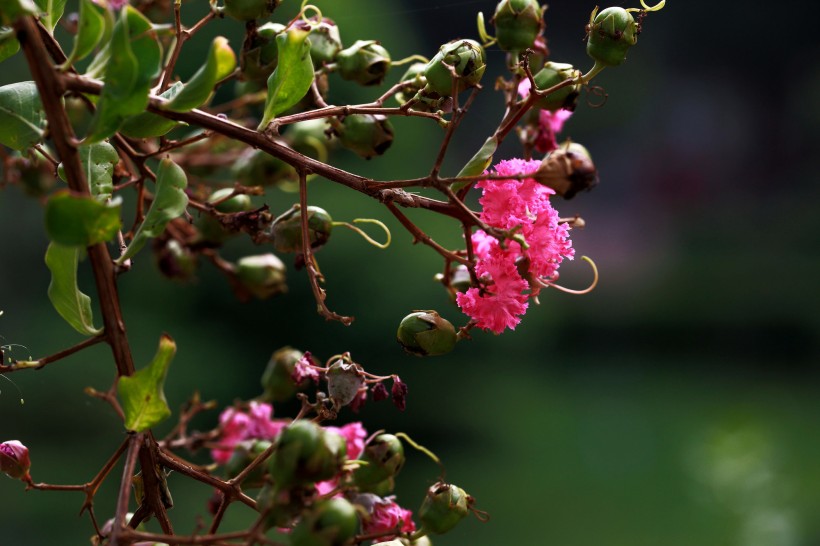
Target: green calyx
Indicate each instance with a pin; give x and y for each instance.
(368, 135)
(305, 454)
(277, 379)
(286, 231)
(247, 10)
(262, 275)
(517, 24)
(384, 457)
(465, 58)
(610, 35)
(425, 333)
(260, 54)
(331, 522)
(553, 74)
(365, 62)
(443, 507)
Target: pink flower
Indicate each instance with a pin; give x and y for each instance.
(237, 425)
(14, 460)
(354, 435)
(549, 123)
(387, 516)
(304, 369)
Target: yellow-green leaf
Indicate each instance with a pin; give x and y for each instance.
(8, 43)
(90, 31)
(98, 161)
(142, 394)
(73, 220)
(220, 64)
(65, 295)
(148, 125)
(293, 75)
(479, 162)
(51, 10)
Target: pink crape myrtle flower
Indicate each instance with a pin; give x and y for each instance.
(304, 369)
(507, 204)
(14, 460)
(388, 516)
(238, 425)
(354, 435)
(549, 123)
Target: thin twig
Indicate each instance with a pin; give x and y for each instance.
(41, 362)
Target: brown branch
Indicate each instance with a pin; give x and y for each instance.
(421, 237)
(41, 362)
(173, 462)
(134, 442)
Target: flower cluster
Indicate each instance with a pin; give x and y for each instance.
(509, 271)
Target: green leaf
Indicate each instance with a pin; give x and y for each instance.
(10, 10)
(89, 31)
(220, 64)
(293, 75)
(8, 43)
(65, 296)
(479, 162)
(169, 202)
(142, 394)
(134, 63)
(98, 162)
(22, 119)
(52, 11)
(81, 221)
(147, 125)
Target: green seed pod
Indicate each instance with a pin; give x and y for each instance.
(365, 62)
(443, 507)
(368, 135)
(260, 54)
(210, 229)
(174, 260)
(243, 454)
(414, 81)
(277, 380)
(286, 231)
(568, 170)
(610, 34)
(325, 41)
(305, 454)
(262, 275)
(553, 74)
(344, 379)
(465, 57)
(256, 168)
(385, 458)
(517, 24)
(247, 10)
(309, 138)
(331, 522)
(283, 505)
(425, 333)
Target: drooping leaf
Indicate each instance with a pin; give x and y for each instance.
(22, 119)
(98, 161)
(142, 395)
(291, 79)
(81, 221)
(65, 295)
(221, 62)
(51, 10)
(479, 162)
(147, 125)
(10, 10)
(169, 202)
(90, 31)
(8, 43)
(134, 62)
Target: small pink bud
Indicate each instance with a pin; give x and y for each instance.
(399, 393)
(380, 392)
(14, 460)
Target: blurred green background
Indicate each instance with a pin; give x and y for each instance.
(675, 405)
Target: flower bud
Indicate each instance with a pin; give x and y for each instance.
(306, 453)
(256, 168)
(425, 333)
(553, 74)
(210, 229)
(443, 507)
(260, 54)
(247, 10)
(610, 34)
(344, 379)
(365, 62)
(464, 57)
(309, 138)
(283, 505)
(14, 460)
(277, 379)
(368, 135)
(567, 170)
(517, 24)
(262, 275)
(243, 454)
(325, 41)
(286, 230)
(174, 260)
(331, 522)
(385, 458)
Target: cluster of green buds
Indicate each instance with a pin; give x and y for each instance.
(305, 454)
(461, 60)
(517, 24)
(426, 333)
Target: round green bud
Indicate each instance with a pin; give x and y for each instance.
(443, 507)
(610, 34)
(365, 62)
(331, 522)
(283, 505)
(385, 458)
(325, 41)
(553, 74)
(344, 379)
(257, 168)
(243, 454)
(260, 54)
(306, 453)
(262, 275)
(517, 24)
(210, 229)
(368, 135)
(309, 138)
(247, 10)
(425, 333)
(464, 57)
(174, 260)
(413, 80)
(568, 170)
(277, 380)
(286, 230)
